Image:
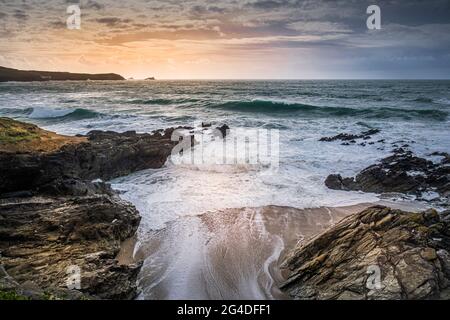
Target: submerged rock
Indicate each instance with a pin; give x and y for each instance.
(379, 253)
(365, 135)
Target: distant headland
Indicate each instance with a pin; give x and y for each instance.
(9, 74)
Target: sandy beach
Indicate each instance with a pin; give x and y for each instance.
(229, 254)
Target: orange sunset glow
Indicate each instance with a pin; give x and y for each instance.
(229, 39)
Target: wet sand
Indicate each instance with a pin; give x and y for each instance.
(229, 254)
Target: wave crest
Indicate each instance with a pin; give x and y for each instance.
(262, 106)
(72, 114)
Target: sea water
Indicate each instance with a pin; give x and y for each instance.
(415, 113)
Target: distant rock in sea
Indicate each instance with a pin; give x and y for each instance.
(151, 78)
(8, 74)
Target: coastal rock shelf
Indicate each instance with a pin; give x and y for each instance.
(98, 155)
(41, 238)
(53, 217)
(409, 250)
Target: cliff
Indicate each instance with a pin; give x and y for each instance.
(8, 74)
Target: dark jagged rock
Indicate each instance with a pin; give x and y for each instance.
(366, 135)
(103, 155)
(411, 251)
(41, 237)
(402, 172)
(445, 155)
(224, 129)
(8, 74)
(336, 182)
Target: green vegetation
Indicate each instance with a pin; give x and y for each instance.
(12, 131)
(11, 295)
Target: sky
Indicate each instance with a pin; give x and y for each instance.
(231, 39)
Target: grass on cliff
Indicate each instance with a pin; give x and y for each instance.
(16, 136)
(13, 131)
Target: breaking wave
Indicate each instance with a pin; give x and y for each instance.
(66, 114)
(262, 106)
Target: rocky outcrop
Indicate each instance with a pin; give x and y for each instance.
(224, 130)
(366, 135)
(379, 253)
(53, 218)
(102, 155)
(41, 238)
(8, 74)
(401, 172)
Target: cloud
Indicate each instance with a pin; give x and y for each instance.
(267, 4)
(20, 15)
(113, 21)
(94, 5)
(181, 34)
(58, 24)
(294, 30)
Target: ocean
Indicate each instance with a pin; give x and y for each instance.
(407, 112)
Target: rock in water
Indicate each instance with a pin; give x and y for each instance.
(351, 137)
(379, 253)
(402, 172)
(224, 129)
